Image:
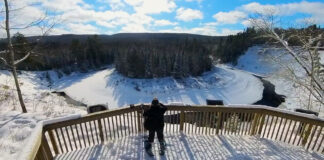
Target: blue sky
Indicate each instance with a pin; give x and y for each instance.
(208, 17)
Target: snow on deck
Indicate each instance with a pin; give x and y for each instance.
(182, 146)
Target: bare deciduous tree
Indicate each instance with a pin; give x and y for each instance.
(45, 26)
(306, 54)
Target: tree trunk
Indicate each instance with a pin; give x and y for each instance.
(12, 59)
(21, 101)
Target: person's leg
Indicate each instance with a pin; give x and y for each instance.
(161, 140)
(160, 135)
(148, 143)
(151, 136)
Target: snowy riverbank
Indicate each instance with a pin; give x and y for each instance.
(271, 64)
(109, 87)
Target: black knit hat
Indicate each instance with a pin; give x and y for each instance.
(155, 101)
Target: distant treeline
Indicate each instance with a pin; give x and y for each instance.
(143, 55)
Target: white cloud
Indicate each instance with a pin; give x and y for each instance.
(59, 31)
(152, 6)
(106, 24)
(83, 15)
(115, 4)
(247, 23)
(255, 7)
(134, 2)
(231, 17)
(65, 5)
(204, 29)
(79, 28)
(78, 15)
(129, 23)
(134, 28)
(314, 9)
(164, 22)
(188, 14)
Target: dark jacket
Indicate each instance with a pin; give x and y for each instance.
(154, 117)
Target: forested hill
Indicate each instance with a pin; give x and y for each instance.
(138, 55)
(67, 38)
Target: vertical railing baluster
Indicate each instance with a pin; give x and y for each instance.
(218, 122)
(53, 141)
(283, 129)
(65, 145)
(69, 138)
(289, 126)
(181, 120)
(77, 133)
(84, 140)
(91, 129)
(279, 128)
(292, 132)
(301, 133)
(320, 144)
(311, 137)
(101, 134)
(244, 119)
(318, 135)
(210, 123)
(46, 147)
(139, 121)
(128, 124)
(271, 124)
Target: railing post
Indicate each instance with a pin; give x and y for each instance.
(261, 123)
(307, 133)
(100, 131)
(54, 144)
(254, 124)
(139, 124)
(181, 120)
(219, 121)
(47, 150)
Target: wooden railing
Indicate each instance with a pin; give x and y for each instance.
(266, 122)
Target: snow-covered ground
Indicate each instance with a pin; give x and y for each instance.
(182, 146)
(109, 87)
(321, 57)
(15, 127)
(272, 63)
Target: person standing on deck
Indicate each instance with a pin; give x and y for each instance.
(154, 122)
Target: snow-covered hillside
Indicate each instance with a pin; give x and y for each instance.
(272, 64)
(16, 128)
(109, 87)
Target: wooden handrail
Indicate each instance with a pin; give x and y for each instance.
(266, 122)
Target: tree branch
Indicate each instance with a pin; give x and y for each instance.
(5, 62)
(22, 59)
